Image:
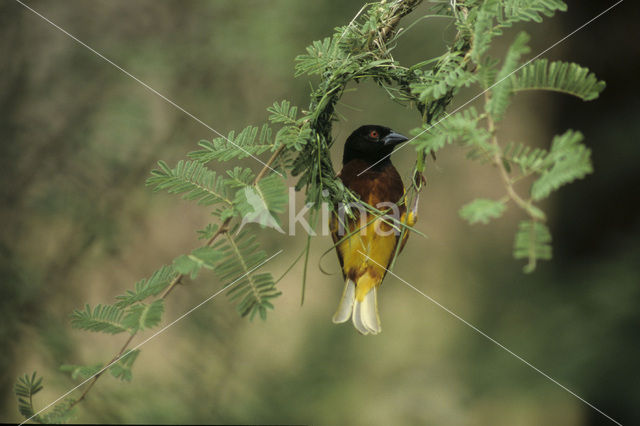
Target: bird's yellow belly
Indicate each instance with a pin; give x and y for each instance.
(366, 254)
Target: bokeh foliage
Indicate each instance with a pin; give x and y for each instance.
(84, 236)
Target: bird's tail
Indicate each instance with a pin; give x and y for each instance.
(364, 313)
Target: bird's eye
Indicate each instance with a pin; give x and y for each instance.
(374, 134)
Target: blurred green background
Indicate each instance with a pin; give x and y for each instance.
(78, 138)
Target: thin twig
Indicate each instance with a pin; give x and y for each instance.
(224, 228)
(97, 376)
(275, 155)
(388, 28)
(497, 160)
(225, 225)
(178, 279)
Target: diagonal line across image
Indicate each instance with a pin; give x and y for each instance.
(146, 86)
(162, 330)
(267, 166)
(491, 339)
(496, 83)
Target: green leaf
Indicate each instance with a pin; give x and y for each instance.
(141, 316)
(251, 141)
(203, 257)
(487, 71)
(148, 287)
(262, 203)
(482, 210)
(283, 112)
(251, 290)
(24, 389)
(239, 177)
(532, 242)
(500, 92)
(103, 318)
(453, 80)
(563, 77)
(461, 127)
(184, 265)
(27, 386)
(207, 256)
(81, 372)
(121, 369)
(59, 414)
(193, 180)
(529, 10)
(568, 160)
(294, 137)
(208, 231)
(448, 75)
(321, 54)
(528, 159)
(483, 30)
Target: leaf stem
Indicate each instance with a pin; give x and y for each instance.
(224, 228)
(109, 364)
(379, 36)
(497, 161)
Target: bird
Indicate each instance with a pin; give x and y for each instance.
(365, 255)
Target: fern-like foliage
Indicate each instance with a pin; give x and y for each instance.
(529, 10)
(252, 291)
(283, 112)
(564, 77)
(462, 128)
(261, 203)
(141, 316)
(532, 242)
(483, 28)
(501, 90)
(102, 318)
(203, 257)
(294, 137)
(251, 141)
(492, 16)
(296, 131)
(26, 387)
(482, 210)
(192, 179)
(112, 319)
(121, 369)
(567, 161)
(239, 177)
(528, 159)
(145, 288)
(298, 143)
(235, 192)
(208, 231)
(321, 54)
(449, 75)
(81, 372)
(60, 414)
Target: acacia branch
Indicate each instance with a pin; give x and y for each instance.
(385, 31)
(101, 372)
(224, 228)
(508, 183)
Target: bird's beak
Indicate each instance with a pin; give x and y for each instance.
(393, 139)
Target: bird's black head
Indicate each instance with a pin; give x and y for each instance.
(371, 143)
